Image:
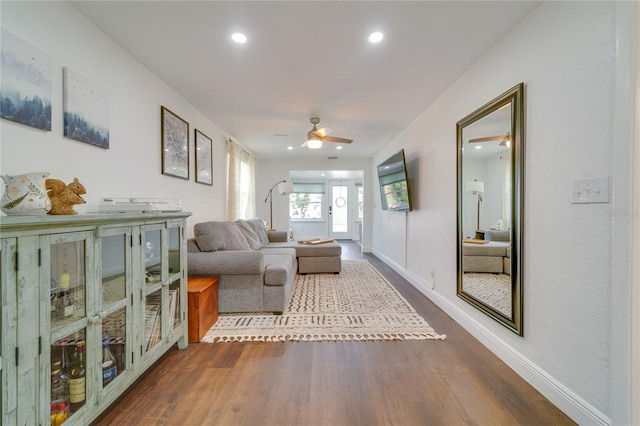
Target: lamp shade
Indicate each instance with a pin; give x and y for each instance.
(285, 188)
(475, 187)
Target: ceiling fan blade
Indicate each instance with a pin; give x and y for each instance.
(304, 144)
(334, 139)
(489, 138)
(323, 132)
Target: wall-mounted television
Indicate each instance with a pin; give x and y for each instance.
(394, 184)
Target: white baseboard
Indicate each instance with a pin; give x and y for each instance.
(566, 400)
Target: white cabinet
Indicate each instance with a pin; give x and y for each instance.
(78, 284)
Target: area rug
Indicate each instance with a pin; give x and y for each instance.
(358, 304)
(493, 289)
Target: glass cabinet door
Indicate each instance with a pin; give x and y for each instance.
(68, 382)
(152, 238)
(68, 279)
(70, 259)
(115, 278)
(174, 243)
(153, 248)
(164, 296)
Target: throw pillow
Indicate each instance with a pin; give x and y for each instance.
(260, 229)
(249, 234)
(214, 236)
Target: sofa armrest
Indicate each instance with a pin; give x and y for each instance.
(277, 236)
(229, 262)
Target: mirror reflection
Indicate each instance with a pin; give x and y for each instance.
(488, 193)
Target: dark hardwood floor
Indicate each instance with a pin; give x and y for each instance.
(452, 382)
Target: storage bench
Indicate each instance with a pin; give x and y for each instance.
(203, 306)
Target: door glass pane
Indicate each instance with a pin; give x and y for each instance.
(113, 269)
(174, 304)
(339, 197)
(173, 238)
(67, 282)
(68, 376)
(153, 319)
(113, 346)
(152, 256)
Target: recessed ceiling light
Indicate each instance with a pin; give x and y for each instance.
(375, 37)
(239, 38)
(338, 147)
(479, 147)
(289, 148)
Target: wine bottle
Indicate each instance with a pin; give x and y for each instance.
(77, 384)
(65, 302)
(109, 364)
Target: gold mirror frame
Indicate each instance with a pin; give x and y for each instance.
(514, 97)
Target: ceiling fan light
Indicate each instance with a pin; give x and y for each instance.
(239, 38)
(314, 143)
(375, 37)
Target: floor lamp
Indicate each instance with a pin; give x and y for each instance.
(284, 188)
(476, 188)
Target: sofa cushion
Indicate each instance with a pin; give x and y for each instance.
(260, 229)
(249, 234)
(277, 268)
(214, 236)
(495, 235)
(492, 248)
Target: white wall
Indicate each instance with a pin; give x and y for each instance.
(132, 164)
(565, 54)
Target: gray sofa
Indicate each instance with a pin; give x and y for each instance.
(257, 268)
(493, 256)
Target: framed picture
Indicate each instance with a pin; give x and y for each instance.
(204, 158)
(175, 145)
(26, 88)
(86, 110)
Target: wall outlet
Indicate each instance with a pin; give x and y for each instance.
(590, 190)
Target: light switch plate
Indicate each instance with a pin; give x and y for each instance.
(590, 190)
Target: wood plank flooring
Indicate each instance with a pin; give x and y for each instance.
(452, 382)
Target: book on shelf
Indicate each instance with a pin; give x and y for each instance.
(173, 302)
(151, 319)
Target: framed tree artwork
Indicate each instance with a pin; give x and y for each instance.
(175, 145)
(26, 88)
(204, 158)
(86, 110)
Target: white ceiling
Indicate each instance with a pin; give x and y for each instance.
(307, 58)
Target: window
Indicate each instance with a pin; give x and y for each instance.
(306, 201)
(241, 183)
(360, 203)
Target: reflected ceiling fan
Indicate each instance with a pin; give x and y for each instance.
(315, 136)
(505, 140)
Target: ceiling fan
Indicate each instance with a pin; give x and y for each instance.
(505, 140)
(315, 136)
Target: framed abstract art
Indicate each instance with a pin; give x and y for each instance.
(175, 145)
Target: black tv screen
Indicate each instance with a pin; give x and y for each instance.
(394, 184)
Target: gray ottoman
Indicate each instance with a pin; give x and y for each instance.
(319, 258)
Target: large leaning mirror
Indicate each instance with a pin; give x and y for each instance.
(490, 199)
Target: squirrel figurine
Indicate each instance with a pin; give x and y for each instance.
(63, 197)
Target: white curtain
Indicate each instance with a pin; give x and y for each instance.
(506, 191)
(241, 183)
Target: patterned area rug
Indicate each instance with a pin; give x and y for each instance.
(493, 289)
(357, 304)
